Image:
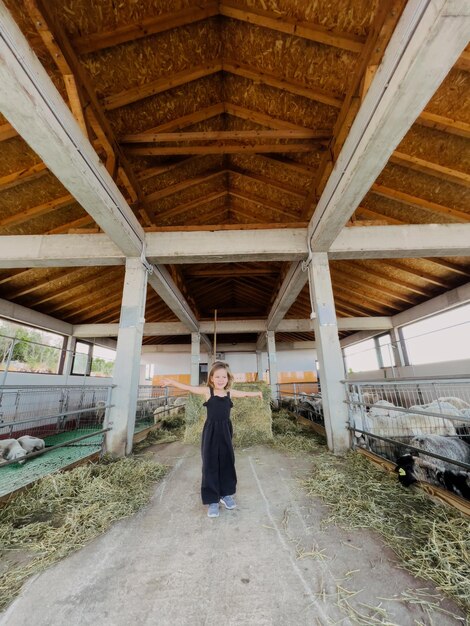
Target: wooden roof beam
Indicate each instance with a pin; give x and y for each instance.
(420, 203)
(444, 124)
(275, 207)
(379, 216)
(225, 135)
(292, 26)
(7, 132)
(240, 148)
(273, 80)
(144, 28)
(397, 95)
(41, 209)
(425, 276)
(27, 174)
(128, 96)
(181, 186)
(431, 169)
(80, 89)
(359, 280)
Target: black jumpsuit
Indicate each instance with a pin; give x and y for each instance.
(218, 458)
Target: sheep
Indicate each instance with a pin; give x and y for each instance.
(401, 428)
(31, 444)
(457, 403)
(10, 450)
(412, 468)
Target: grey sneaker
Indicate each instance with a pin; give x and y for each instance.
(228, 502)
(213, 510)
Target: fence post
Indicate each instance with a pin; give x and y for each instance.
(8, 361)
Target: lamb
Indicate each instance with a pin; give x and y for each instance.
(412, 468)
(457, 403)
(10, 450)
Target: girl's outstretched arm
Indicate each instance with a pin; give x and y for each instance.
(169, 382)
(236, 393)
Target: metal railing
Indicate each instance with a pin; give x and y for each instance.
(303, 399)
(402, 416)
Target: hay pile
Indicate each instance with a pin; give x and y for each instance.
(62, 512)
(251, 417)
(431, 539)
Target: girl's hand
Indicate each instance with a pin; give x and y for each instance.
(260, 395)
(166, 382)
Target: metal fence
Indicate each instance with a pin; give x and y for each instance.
(155, 403)
(425, 418)
(302, 398)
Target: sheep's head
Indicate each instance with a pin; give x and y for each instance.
(406, 470)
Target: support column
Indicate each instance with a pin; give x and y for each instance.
(127, 366)
(270, 335)
(259, 364)
(195, 357)
(329, 353)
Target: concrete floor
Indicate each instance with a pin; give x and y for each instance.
(268, 562)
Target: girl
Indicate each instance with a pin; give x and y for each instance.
(219, 478)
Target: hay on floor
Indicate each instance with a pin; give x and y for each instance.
(63, 511)
(251, 417)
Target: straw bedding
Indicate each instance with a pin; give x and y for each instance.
(251, 417)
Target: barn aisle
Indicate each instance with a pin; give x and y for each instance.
(269, 562)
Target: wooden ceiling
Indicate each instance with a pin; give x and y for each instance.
(219, 115)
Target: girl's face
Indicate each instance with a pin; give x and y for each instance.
(220, 378)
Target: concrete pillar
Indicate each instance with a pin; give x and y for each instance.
(118, 441)
(329, 353)
(195, 357)
(259, 365)
(272, 358)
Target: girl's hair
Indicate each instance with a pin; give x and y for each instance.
(220, 365)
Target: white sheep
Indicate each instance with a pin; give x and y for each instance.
(31, 444)
(458, 403)
(10, 450)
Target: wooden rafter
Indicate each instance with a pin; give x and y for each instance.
(36, 211)
(456, 269)
(275, 207)
(223, 149)
(432, 169)
(218, 227)
(185, 184)
(40, 22)
(64, 228)
(346, 296)
(279, 82)
(445, 124)
(420, 203)
(375, 215)
(263, 119)
(353, 287)
(386, 18)
(376, 273)
(129, 96)
(27, 174)
(226, 135)
(144, 28)
(7, 132)
(86, 93)
(60, 274)
(265, 180)
(189, 206)
(291, 26)
(428, 278)
(339, 271)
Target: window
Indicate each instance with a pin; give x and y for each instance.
(442, 337)
(28, 349)
(386, 350)
(81, 359)
(102, 362)
(149, 371)
(92, 360)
